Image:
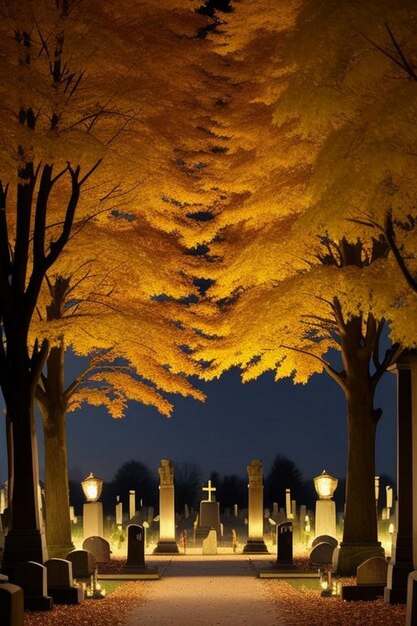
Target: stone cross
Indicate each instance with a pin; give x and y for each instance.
(209, 489)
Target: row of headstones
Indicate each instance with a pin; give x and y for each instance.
(371, 575)
(38, 586)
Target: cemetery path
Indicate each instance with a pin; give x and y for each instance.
(208, 591)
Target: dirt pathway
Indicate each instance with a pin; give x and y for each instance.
(207, 591)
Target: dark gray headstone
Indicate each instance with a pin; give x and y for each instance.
(59, 573)
(11, 605)
(61, 584)
(135, 546)
(32, 577)
(284, 543)
(99, 547)
(209, 515)
(325, 538)
(83, 563)
(322, 553)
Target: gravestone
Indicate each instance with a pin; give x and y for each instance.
(132, 504)
(322, 553)
(326, 539)
(32, 578)
(371, 579)
(372, 572)
(83, 563)
(167, 543)
(135, 562)
(99, 547)
(285, 545)
(11, 605)
(61, 584)
(255, 542)
(210, 543)
(209, 517)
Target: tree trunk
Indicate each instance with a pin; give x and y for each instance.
(360, 533)
(360, 519)
(53, 409)
(58, 523)
(25, 540)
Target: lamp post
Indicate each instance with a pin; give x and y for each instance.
(92, 509)
(325, 485)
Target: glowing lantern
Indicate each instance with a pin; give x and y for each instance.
(92, 487)
(325, 485)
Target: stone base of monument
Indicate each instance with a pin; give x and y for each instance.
(202, 532)
(348, 556)
(254, 546)
(362, 592)
(166, 547)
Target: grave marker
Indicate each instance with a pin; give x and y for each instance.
(167, 543)
(99, 547)
(135, 562)
(11, 605)
(285, 545)
(255, 541)
(61, 583)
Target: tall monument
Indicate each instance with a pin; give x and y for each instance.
(166, 543)
(255, 541)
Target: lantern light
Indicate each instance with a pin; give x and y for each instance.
(92, 487)
(325, 485)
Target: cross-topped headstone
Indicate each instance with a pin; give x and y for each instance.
(209, 489)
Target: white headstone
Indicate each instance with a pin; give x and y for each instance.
(132, 503)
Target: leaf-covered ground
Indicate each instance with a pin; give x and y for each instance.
(296, 604)
(305, 607)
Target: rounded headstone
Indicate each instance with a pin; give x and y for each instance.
(373, 571)
(322, 553)
(326, 539)
(99, 547)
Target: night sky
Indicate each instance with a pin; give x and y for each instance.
(237, 423)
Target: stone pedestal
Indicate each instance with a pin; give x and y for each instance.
(166, 543)
(325, 523)
(93, 520)
(401, 563)
(255, 541)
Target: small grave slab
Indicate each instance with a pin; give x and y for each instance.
(32, 577)
(324, 539)
(371, 579)
(322, 553)
(83, 563)
(61, 583)
(210, 543)
(99, 547)
(11, 605)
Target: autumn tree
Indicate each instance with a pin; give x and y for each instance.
(297, 280)
(65, 117)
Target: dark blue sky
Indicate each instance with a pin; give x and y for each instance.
(237, 423)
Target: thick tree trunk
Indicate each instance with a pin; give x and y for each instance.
(53, 409)
(25, 540)
(360, 518)
(58, 523)
(360, 533)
